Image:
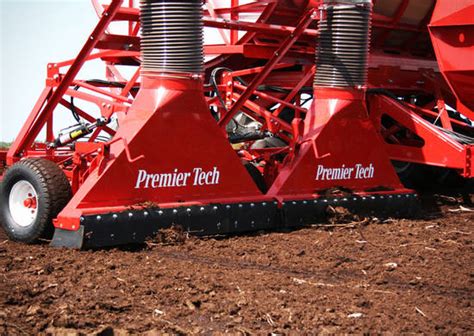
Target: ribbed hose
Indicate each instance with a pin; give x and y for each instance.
(172, 36)
(342, 53)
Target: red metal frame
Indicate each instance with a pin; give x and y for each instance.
(283, 40)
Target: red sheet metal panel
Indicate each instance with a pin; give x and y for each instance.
(452, 33)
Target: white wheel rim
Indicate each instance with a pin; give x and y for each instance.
(23, 203)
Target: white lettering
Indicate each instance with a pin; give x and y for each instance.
(197, 176)
(215, 176)
(177, 178)
(141, 177)
(344, 173)
(319, 172)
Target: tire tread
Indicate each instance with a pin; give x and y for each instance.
(57, 193)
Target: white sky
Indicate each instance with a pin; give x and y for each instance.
(32, 34)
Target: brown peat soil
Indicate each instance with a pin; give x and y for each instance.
(366, 276)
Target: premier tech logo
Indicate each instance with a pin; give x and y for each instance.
(358, 172)
(196, 177)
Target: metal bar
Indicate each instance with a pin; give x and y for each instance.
(443, 114)
(119, 42)
(297, 89)
(133, 14)
(271, 98)
(277, 56)
(257, 27)
(250, 71)
(100, 91)
(102, 103)
(130, 23)
(253, 7)
(19, 143)
(131, 83)
(100, 54)
(234, 16)
(427, 112)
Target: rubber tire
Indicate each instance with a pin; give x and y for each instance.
(53, 193)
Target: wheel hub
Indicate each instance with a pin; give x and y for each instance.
(23, 203)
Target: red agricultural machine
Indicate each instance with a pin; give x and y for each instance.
(300, 105)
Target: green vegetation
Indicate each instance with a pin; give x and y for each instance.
(5, 144)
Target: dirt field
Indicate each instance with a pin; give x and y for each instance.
(394, 276)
